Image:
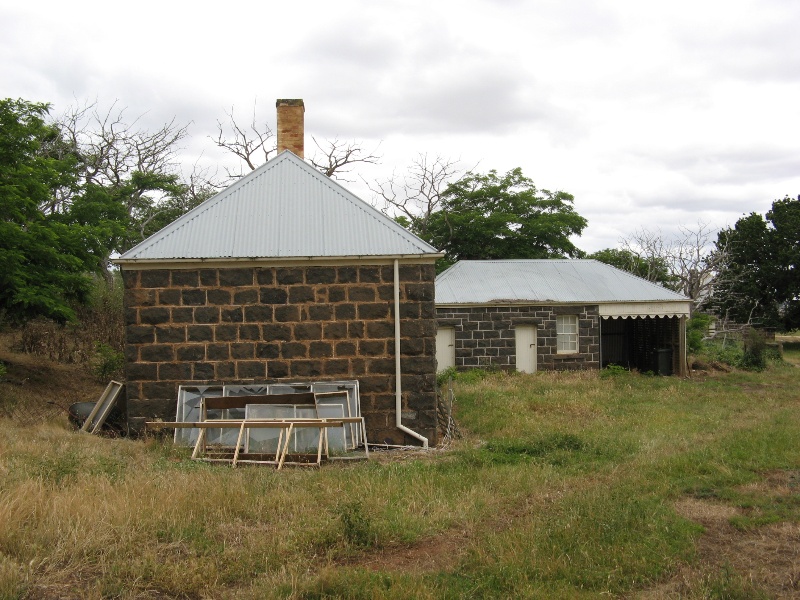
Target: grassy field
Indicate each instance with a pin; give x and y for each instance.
(562, 486)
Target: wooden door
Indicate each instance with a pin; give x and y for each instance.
(445, 348)
(526, 348)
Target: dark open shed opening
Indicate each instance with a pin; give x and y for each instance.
(645, 344)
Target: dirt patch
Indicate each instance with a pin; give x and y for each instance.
(439, 553)
(704, 512)
(702, 367)
(775, 483)
(759, 562)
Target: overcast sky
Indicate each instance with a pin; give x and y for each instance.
(652, 114)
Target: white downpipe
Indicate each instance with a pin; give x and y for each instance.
(398, 388)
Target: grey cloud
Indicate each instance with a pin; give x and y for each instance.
(331, 51)
(713, 166)
(476, 102)
(693, 200)
(427, 80)
(763, 51)
(457, 95)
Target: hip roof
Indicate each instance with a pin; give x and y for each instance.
(283, 209)
(545, 281)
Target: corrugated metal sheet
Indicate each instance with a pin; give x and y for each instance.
(528, 281)
(283, 209)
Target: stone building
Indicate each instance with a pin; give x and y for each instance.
(285, 276)
(528, 315)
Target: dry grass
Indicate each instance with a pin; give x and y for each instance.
(36, 390)
(564, 486)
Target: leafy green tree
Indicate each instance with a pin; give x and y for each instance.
(655, 269)
(758, 278)
(44, 258)
(785, 237)
(179, 198)
(75, 190)
(131, 169)
(495, 216)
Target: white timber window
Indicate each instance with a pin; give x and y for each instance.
(567, 334)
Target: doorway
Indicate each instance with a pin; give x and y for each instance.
(525, 336)
(445, 348)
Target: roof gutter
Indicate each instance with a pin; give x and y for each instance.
(398, 388)
(156, 262)
(491, 303)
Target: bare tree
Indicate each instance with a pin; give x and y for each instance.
(650, 252)
(135, 167)
(256, 143)
(694, 261)
(417, 194)
(250, 143)
(110, 149)
(689, 257)
(336, 157)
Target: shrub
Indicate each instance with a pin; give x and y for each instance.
(106, 362)
(613, 370)
(100, 322)
(469, 376)
(754, 355)
(728, 352)
(696, 330)
(445, 375)
(356, 525)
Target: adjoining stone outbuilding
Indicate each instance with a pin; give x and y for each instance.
(285, 276)
(528, 315)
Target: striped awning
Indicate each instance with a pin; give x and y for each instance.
(633, 310)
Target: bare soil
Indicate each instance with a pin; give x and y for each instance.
(440, 553)
(757, 562)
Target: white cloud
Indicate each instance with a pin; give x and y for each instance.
(649, 113)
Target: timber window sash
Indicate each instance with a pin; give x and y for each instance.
(567, 334)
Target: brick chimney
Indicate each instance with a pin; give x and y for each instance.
(290, 126)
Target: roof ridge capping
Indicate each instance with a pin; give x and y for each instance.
(362, 204)
(633, 275)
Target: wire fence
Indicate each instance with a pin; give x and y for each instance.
(27, 414)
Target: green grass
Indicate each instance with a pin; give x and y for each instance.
(564, 486)
(791, 351)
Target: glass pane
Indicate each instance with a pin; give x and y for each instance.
(227, 436)
(340, 399)
(353, 402)
(567, 333)
(265, 440)
(306, 439)
(188, 410)
(336, 435)
(289, 388)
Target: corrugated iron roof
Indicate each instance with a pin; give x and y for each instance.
(524, 281)
(283, 209)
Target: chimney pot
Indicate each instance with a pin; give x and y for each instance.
(291, 130)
